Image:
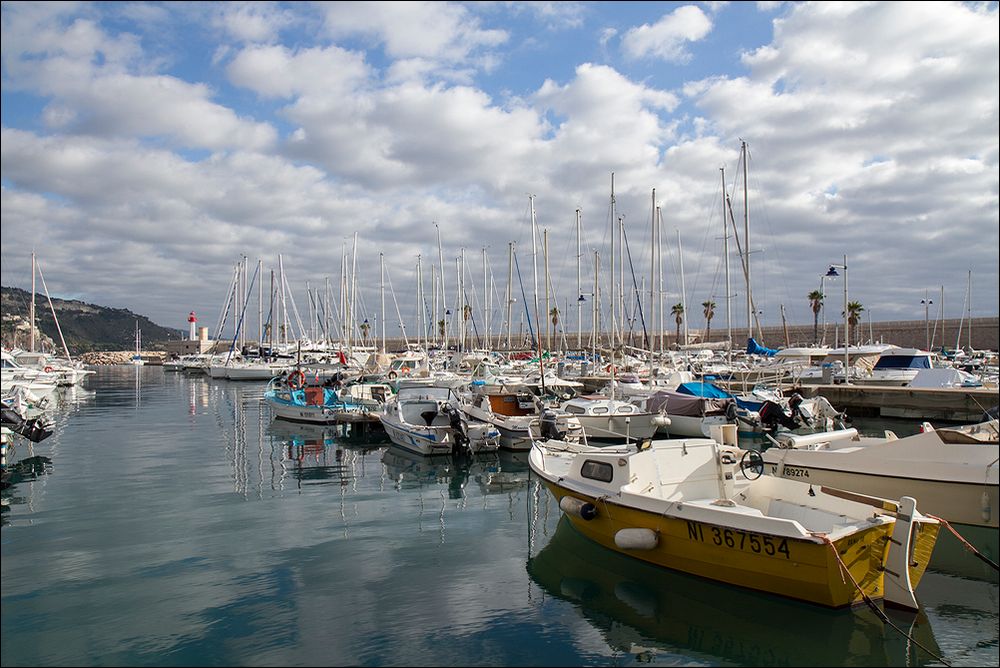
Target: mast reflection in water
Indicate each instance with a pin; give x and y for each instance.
(179, 524)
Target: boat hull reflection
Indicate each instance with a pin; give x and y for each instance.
(645, 610)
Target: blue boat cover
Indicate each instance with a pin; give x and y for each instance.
(701, 389)
(754, 348)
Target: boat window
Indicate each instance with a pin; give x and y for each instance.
(594, 470)
(600, 410)
(903, 362)
(571, 408)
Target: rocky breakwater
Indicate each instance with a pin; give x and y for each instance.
(112, 357)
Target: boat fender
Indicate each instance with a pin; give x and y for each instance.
(636, 539)
(574, 506)
(48, 369)
(660, 421)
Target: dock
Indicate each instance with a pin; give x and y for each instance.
(959, 404)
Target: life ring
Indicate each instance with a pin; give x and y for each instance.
(611, 368)
(296, 379)
(393, 375)
(405, 370)
(49, 369)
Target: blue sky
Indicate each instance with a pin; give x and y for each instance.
(148, 146)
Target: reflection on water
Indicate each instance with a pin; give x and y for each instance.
(647, 611)
(180, 524)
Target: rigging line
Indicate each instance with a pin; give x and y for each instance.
(778, 263)
(239, 325)
(524, 299)
(638, 296)
(399, 316)
(702, 252)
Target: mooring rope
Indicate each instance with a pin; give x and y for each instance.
(967, 544)
(871, 604)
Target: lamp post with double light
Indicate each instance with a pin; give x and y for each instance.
(832, 273)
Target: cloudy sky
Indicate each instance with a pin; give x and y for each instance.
(147, 147)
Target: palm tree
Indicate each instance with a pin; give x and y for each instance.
(466, 312)
(854, 310)
(364, 327)
(709, 312)
(816, 303)
(677, 310)
(441, 328)
(555, 317)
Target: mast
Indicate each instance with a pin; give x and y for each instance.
(548, 318)
(725, 255)
(594, 322)
(462, 299)
(621, 277)
(684, 311)
(534, 260)
(614, 288)
(354, 289)
(31, 314)
(260, 306)
(659, 273)
(510, 279)
(652, 275)
(444, 296)
(746, 237)
(579, 287)
(784, 326)
(420, 299)
(381, 292)
(486, 302)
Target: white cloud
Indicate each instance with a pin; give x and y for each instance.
(667, 38)
(252, 21)
(881, 138)
(433, 30)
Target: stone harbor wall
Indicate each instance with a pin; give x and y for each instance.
(107, 358)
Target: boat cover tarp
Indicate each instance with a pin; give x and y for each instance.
(754, 348)
(702, 389)
(677, 403)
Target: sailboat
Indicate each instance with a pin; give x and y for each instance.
(137, 358)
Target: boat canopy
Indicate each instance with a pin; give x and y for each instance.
(754, 348)
(702, 389)
(677, 403)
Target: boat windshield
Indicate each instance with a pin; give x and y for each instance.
(420, 392)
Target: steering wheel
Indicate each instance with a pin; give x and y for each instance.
(752, 463)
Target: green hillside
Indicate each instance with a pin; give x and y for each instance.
(86, 327)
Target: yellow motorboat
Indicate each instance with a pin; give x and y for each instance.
(700, 506)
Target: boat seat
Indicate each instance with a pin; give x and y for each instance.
(811, 519)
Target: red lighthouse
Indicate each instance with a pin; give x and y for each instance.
(192, 334)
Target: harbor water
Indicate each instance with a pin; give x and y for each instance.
(176, 523)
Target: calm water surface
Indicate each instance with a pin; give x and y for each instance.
(180, 525)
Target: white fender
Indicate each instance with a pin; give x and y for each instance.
(636, 539)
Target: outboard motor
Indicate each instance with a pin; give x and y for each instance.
(772, 416)
(33, 429)
(460, 446)
(547, 423)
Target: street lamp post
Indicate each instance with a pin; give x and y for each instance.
(832, 273)
(927, 301)
(822, 304)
